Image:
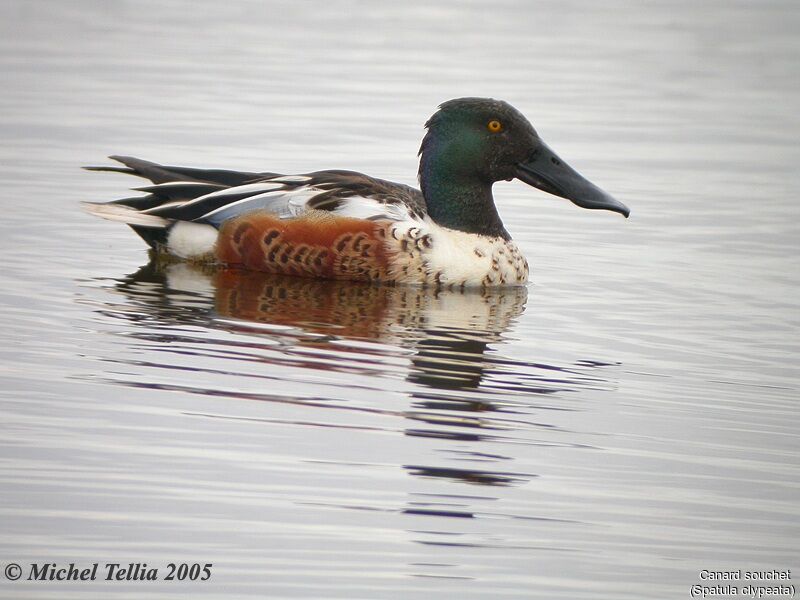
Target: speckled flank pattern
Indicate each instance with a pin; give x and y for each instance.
(408, 249)
(508, 265)
(318, 244)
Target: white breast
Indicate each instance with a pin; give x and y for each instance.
(425, 252)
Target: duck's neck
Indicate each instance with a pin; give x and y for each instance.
(459, 201)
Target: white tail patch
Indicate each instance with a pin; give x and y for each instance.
(125, 214)
(191, 240)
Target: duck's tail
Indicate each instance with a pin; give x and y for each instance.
(125, 214)
(164, 174)
(152, 214)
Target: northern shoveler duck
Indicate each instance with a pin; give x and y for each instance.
(346, 225)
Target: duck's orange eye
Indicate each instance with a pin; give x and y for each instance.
(494, 126)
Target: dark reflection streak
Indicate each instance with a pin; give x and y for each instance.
(324, 363)
(244, 358)
(209, 341)
(521, 389)
(449, 435)
(566, 382)
(315, 402)
(478, 454)
(479, 404)
(455, 504)
(595, 363)
(173, 367)
(438, 513)
(452, 514)
(470, 475)
(482, 422)
(342, 463)
(481, 515)
(283, 422)
(452, 496)
(527, 518)
(580, 371)
(474, 437)
(493, 546)
(752, 385)
(464, 405)
(463, 422)
(345, 506)
(427, 576)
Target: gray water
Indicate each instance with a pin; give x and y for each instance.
(625, 422)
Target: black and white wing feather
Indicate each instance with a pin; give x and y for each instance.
(214, 196)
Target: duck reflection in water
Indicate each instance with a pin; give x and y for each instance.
(448, 330)
(449, 333)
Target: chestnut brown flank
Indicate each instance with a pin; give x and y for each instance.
(318, 244)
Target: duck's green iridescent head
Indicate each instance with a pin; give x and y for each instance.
(473, 142)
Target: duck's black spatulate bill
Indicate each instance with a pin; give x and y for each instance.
(546, 171)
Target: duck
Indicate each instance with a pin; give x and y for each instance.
(338, 224)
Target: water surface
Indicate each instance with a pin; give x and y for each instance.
(627, 420)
